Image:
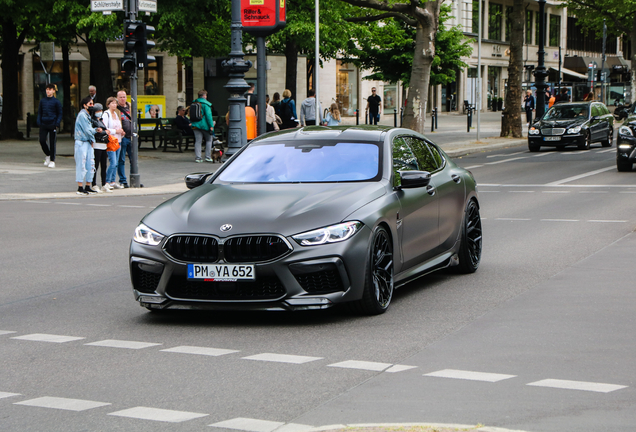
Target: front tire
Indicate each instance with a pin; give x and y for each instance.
(623, 166)
(610, 138)
(534, 147)
(587, 143)
(470, 246)
(378, 285)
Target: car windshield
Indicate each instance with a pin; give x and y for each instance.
(560, 112)
(306, 162)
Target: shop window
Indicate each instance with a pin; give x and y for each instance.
(495, 17)
(529, 16)
(347, 90)
(121, 81)
(390, 97)
(153, 84)
(475, 16)
(508, 23)
(555, 31)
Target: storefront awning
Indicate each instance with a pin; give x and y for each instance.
(75, 56)
(569, 72)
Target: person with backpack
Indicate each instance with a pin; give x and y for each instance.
(202, 125)
(287, 109)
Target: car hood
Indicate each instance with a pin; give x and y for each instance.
(565, 123)
(274, 208)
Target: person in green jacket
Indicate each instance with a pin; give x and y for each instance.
(204, 128)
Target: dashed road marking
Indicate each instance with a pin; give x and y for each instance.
(505, 154)
(131, 206)
(100, 205)
(399, 368)
(505, 160)
(522, 191)
(62, 403)
(4, 332)
(559, 220)
(156, 414)
(593, 192)
(577, 385)
(469, 375)
(473, 166)
(608, 221)
(512, 219)
(65, 203)
(249, 424)
(364, 365)
(41, 337)
(555, 192)
(215, 352)
(113, 343)
(282, 358)
(6, 395)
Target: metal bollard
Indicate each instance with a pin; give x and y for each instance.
(469, 118)
(394, 117)
(433, 120)
(366, 117)
(401, 116)
(357, 117)
(436, 127)
(28, 125)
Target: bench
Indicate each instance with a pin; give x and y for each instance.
(148, 135)
(220, 132)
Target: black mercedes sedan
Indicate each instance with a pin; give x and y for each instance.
(575, 123)
(308, 218)
(626, 142)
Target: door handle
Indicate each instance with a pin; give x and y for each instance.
(457, 179)
(430, 190)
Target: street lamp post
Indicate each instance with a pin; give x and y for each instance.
(540, 73)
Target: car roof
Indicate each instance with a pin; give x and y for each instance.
(341, 133)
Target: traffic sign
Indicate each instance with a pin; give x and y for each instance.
(148, 6)
(107, 5)
(262, 17)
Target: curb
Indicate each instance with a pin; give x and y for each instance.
(155, 190)
(476, 148)
(391, 426)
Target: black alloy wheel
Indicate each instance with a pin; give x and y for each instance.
(623, 166)
(378, 287)
(587, 143)
(610, 138)
(534, 147)
(470, 247)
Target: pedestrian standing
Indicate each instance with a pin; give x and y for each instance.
(528, 104)
(276, 103)
(99, 150)
(373, 107)
(308, 109)
(287, 110)
(551, 101)
(92, 92)
(333, 116)
(203, 129)
(251, 98)
(84, 157)
(49, 119)
(112, 121)
(270, 117)
(124, 145)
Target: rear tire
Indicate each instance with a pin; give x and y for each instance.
(610, 138)
(378, 284)
(623, 166)
(470, 247)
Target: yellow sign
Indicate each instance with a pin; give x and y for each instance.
(150, 107)
(257, 2)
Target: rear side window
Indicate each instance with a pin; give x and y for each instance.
(403, 160)
(422, 151)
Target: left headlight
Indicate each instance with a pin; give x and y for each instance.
(625, 130)
(534, 131)
(147, 236)
(330, 234)
(575, 129)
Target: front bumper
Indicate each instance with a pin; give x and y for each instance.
(564, 140)
(308, 277)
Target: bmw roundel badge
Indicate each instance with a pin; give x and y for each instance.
(226, 227)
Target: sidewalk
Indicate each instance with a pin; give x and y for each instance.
(23, 175)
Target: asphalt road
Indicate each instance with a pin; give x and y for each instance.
(540, 338)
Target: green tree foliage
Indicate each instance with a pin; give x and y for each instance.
(388, 46)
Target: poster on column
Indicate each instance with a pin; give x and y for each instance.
(150, 107)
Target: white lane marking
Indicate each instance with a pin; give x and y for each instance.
(607, 151)
(40, 337)
(543, 154)
(627, 192)
(215, 352)
(399, 368)
(131, 206)
(577, 385)
(521, 191)
(63, 203)
(62, 403)
(469, 375)
(39, 202)
(505, 154)
(473, 166)
(248, 424)
(100, 205)
(112, 343)
(282, 358)
(512, 219)
(559, 220)
(6, 395)
(364, 365)
(294, 427)
(561, 186)
(481, 191)
(4, 332)
(555, 191)
(157, 414)
(489, 184)
(580, 176)
(506, 160)
(607, 221)
(594, 192)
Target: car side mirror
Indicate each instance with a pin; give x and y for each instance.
(414, 179)
(196, 179)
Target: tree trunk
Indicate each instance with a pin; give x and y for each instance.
(100, 71)
(10, 84)
(291, 68)
(415, 112)
(512, 114)
(67, 114)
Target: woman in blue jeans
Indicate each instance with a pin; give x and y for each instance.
(84, 156)
(112, 121)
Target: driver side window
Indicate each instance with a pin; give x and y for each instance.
(403, 160)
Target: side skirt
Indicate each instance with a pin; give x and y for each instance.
(444, 260)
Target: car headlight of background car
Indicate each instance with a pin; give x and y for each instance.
(534, 131)
(574, 130)
(330, 234)
(625, 130)
(147, 236)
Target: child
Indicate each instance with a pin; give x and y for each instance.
(333, 116)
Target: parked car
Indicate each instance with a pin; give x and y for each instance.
(572, 123)
(626, 142)
(308, 218)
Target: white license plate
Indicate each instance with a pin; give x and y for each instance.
(556, 138)
(221, 272)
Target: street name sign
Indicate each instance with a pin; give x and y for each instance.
(107, 5)
(148, 6)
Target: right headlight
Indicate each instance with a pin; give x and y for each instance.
(534, 131)
(330, 234)
(625, 130)
(147, 236)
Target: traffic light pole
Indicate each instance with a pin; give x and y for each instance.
(135, 178)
